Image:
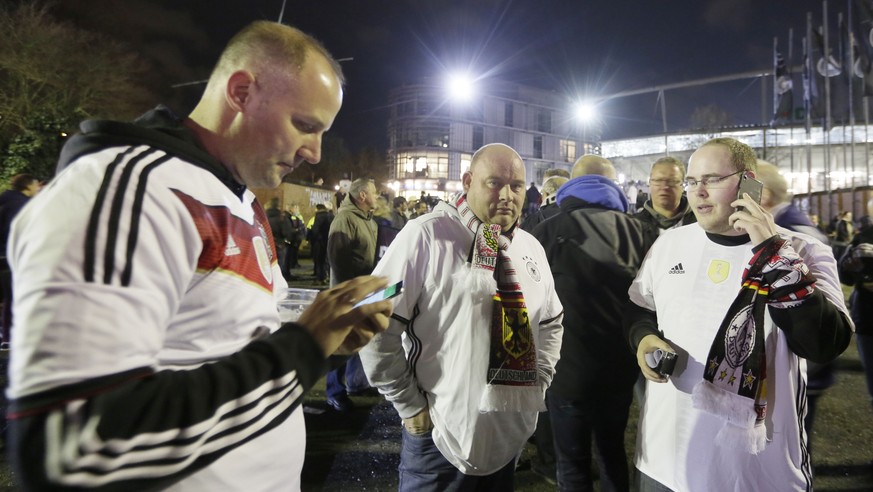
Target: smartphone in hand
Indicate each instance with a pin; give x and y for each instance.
(751, 186)
(380, 295)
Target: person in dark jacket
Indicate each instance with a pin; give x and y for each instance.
(351, 252)
(318, 241)
(298, 232)
(667, 207)
(550, 207)
(856, 269)
(281, 228)
(532, 199)
(595, 249)
(24, 186)
(398, 214)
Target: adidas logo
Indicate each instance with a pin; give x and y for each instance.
(231, 249)
(677, 270)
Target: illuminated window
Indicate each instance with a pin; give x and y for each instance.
(422, 165)
(465, 164)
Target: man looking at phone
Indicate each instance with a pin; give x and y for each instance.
(148, 351)
(742, 302)
(475, 336)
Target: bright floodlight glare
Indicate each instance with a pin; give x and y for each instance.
(585, 111)
(460, 87)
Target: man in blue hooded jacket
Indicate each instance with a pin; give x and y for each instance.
(595, 249)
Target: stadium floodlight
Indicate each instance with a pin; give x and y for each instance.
(461, 87)
(585, 111)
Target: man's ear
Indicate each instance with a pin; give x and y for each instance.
(466, 180)
(240, 88)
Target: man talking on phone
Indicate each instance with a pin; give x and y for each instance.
(742, 302)
(475, 335)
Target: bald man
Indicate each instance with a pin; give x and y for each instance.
(475, 335)
(149, 353)
(594, 249)
(593, 164)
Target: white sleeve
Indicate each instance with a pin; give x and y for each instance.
(641, 290)
(88, 306)
(384, 358)
(551, 333)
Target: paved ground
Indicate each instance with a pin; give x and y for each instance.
(359, 450)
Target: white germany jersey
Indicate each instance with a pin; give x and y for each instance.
(444, 360)
(691, 281)
(147, 261)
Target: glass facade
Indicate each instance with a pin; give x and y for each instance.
(417, 164)
(431, 139)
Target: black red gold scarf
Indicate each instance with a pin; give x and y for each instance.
(734, 385)
(512, 378)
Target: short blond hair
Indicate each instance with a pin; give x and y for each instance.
(271, 43)
(742, 156)
(593, 164)
(551, 185)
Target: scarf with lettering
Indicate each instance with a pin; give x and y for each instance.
(734, 385)
(512, 383)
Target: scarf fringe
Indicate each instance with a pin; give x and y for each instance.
(480, 283)
(740, 430)
(503, 398)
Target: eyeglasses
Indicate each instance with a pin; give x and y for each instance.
(713, 182)
(664, 183)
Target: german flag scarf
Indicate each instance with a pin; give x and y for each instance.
(734, 385)
(512, 380)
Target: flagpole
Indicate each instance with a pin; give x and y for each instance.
(867, 140)
(842, 61)
(791, 116)
(827, 80)
(664, 121)
(776, 103)
(764, 118)
(807, 102)
(850, 65)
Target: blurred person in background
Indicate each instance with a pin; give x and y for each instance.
(667, 206)
(23, 187)
(351, 252)
(549, 207)
(856, 269)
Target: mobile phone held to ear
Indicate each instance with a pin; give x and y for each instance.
(751, 186)
(380, 295)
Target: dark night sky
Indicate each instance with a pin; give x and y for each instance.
(582, 46)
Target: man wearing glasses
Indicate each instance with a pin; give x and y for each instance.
(741, 302)
(667, 207)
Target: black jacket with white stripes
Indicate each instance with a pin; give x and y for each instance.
(142, 349)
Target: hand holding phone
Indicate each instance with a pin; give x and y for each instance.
(752, 186)
(393, 290)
